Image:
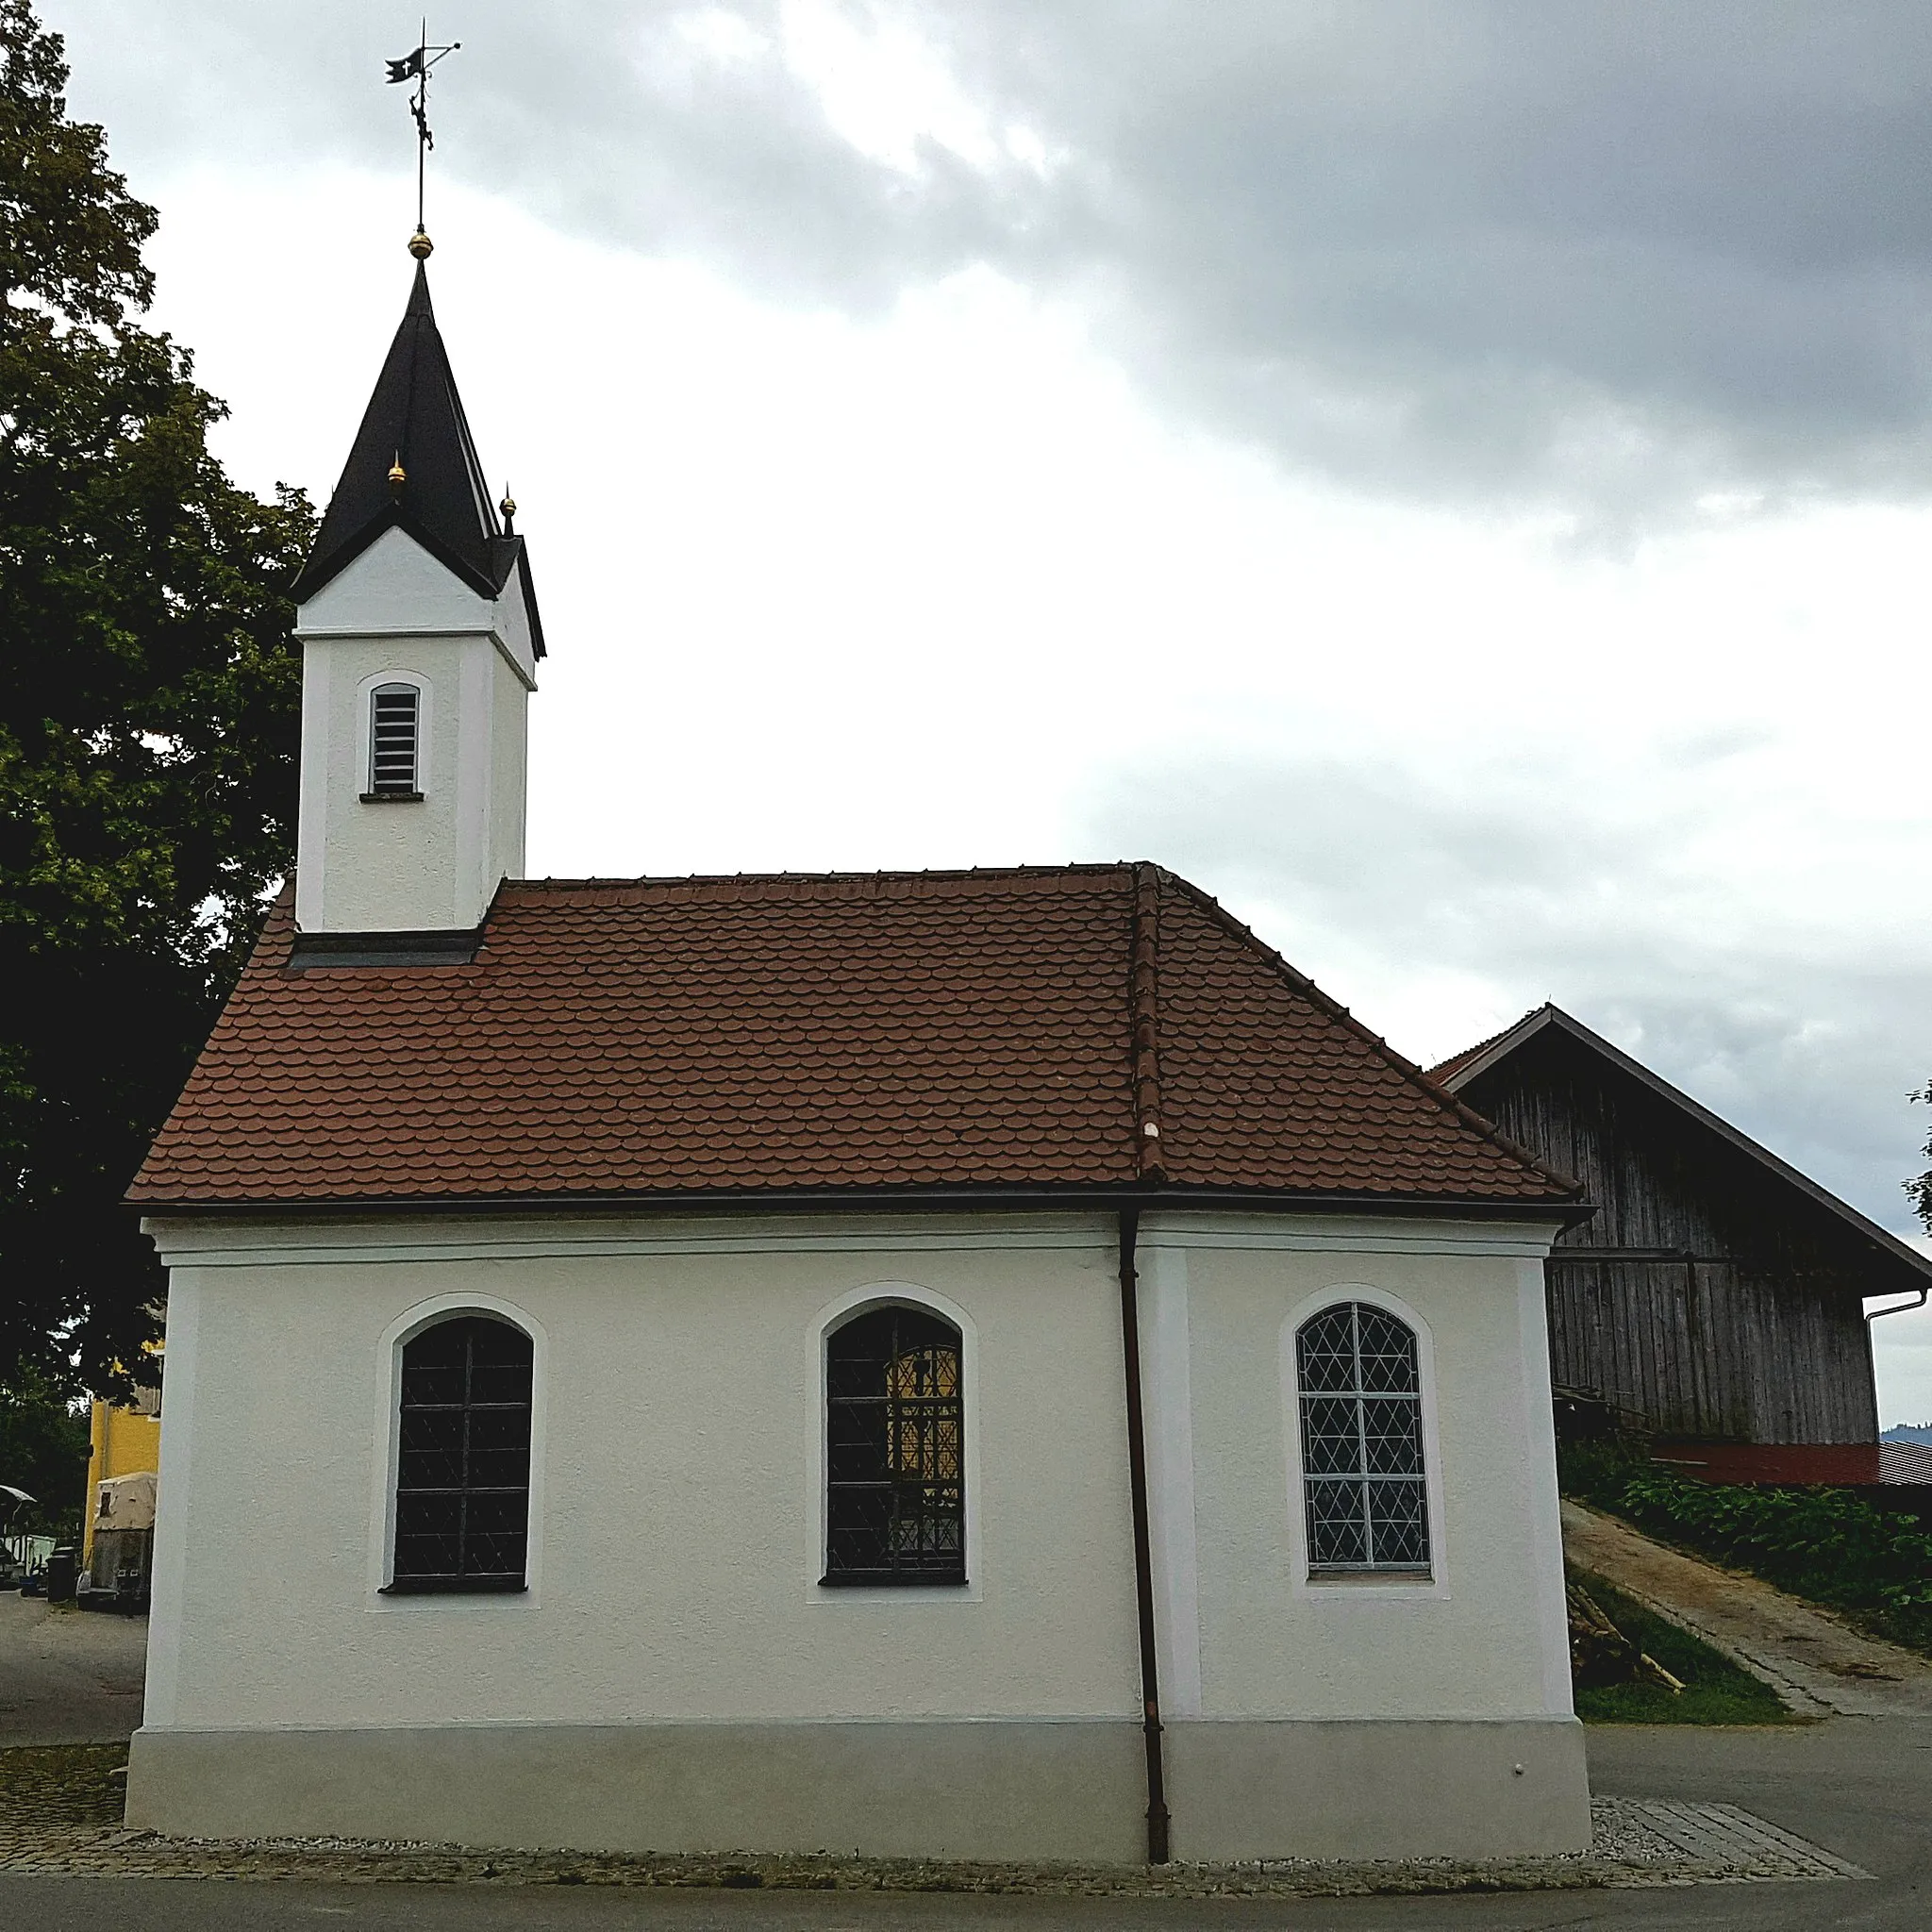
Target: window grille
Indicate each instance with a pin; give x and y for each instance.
(393, 711)
(1361, 1418)
(463, 1468)
(895, 1451)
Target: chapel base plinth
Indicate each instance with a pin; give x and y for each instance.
(995, 1790)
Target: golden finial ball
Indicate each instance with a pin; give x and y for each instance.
(421, 246)
(507, 507)
(397, 475)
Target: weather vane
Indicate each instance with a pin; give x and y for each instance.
(416, 66)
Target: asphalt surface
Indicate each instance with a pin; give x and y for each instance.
(68, 1676)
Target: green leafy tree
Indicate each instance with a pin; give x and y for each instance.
(147, 726)
(44, 1450)
(1920, 1186)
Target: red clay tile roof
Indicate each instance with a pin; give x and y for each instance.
(816, 1035)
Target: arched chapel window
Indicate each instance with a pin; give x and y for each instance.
(1359, 1383)
(895, 1451)
(463, 1458)
(395, 731)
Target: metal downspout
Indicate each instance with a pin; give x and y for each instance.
(1144, 1561)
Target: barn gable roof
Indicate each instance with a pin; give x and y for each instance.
(1460, 1072)
(982, 1035)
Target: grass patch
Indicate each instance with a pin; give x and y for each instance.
(1716, 1691)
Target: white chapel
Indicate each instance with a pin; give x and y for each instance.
(987, 1364)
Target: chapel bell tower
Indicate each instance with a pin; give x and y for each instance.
(420, 641)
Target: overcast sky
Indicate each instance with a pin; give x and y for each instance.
(1454, 480)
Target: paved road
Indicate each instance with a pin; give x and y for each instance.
(1817, 1663)
(68, 1676)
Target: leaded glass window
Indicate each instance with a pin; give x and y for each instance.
(1361, 1418)
(464, 1461)
(895, 1451)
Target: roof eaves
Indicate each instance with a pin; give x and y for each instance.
(507, 553)
(1100, 1196)
(321, 567)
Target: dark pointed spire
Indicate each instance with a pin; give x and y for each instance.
(413, 467)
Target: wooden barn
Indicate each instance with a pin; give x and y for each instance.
(1717, 1295)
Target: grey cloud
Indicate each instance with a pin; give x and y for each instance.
(1540, 885)
(1604, 259)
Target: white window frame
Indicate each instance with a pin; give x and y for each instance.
(834, 1315)
(1327, 1586)
(388, 1460)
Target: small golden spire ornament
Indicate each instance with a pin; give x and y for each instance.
(421, 246)
(397, 475)
(508, 508)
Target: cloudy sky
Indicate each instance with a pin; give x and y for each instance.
(1456, 481)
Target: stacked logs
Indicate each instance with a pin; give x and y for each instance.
(1600, 1654)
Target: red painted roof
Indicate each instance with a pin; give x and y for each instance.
(817, 1033)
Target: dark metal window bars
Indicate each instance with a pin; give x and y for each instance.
(896, 1448)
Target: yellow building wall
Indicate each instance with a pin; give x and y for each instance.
(121, 1442)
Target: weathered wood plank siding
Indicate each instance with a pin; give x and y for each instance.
(1731, 1308)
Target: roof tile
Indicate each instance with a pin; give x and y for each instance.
(794, 1033)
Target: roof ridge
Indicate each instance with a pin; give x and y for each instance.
(1143, 1007)
(1444, 1100)
(1079, 869)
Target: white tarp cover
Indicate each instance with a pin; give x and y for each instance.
(125, 1502)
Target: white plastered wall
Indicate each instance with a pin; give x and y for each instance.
(1245, 1633)
(679, 1523)
(394, 614)
(678, 1520)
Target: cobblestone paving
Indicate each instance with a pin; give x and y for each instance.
(59, 1811)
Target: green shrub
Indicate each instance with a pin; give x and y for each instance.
(1599, 1471)
(1828, 1545)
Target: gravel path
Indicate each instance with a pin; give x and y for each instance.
(1817, 1663)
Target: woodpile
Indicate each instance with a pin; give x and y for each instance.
(1600, 1654)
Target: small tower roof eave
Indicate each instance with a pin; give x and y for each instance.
(415, 423)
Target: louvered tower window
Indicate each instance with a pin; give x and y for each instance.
(394, 719)
(463, 1462)
(1361, 1420)
(895, 1449)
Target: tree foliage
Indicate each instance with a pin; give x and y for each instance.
(147, 725)
(1920, 1186)
(44, 1450)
